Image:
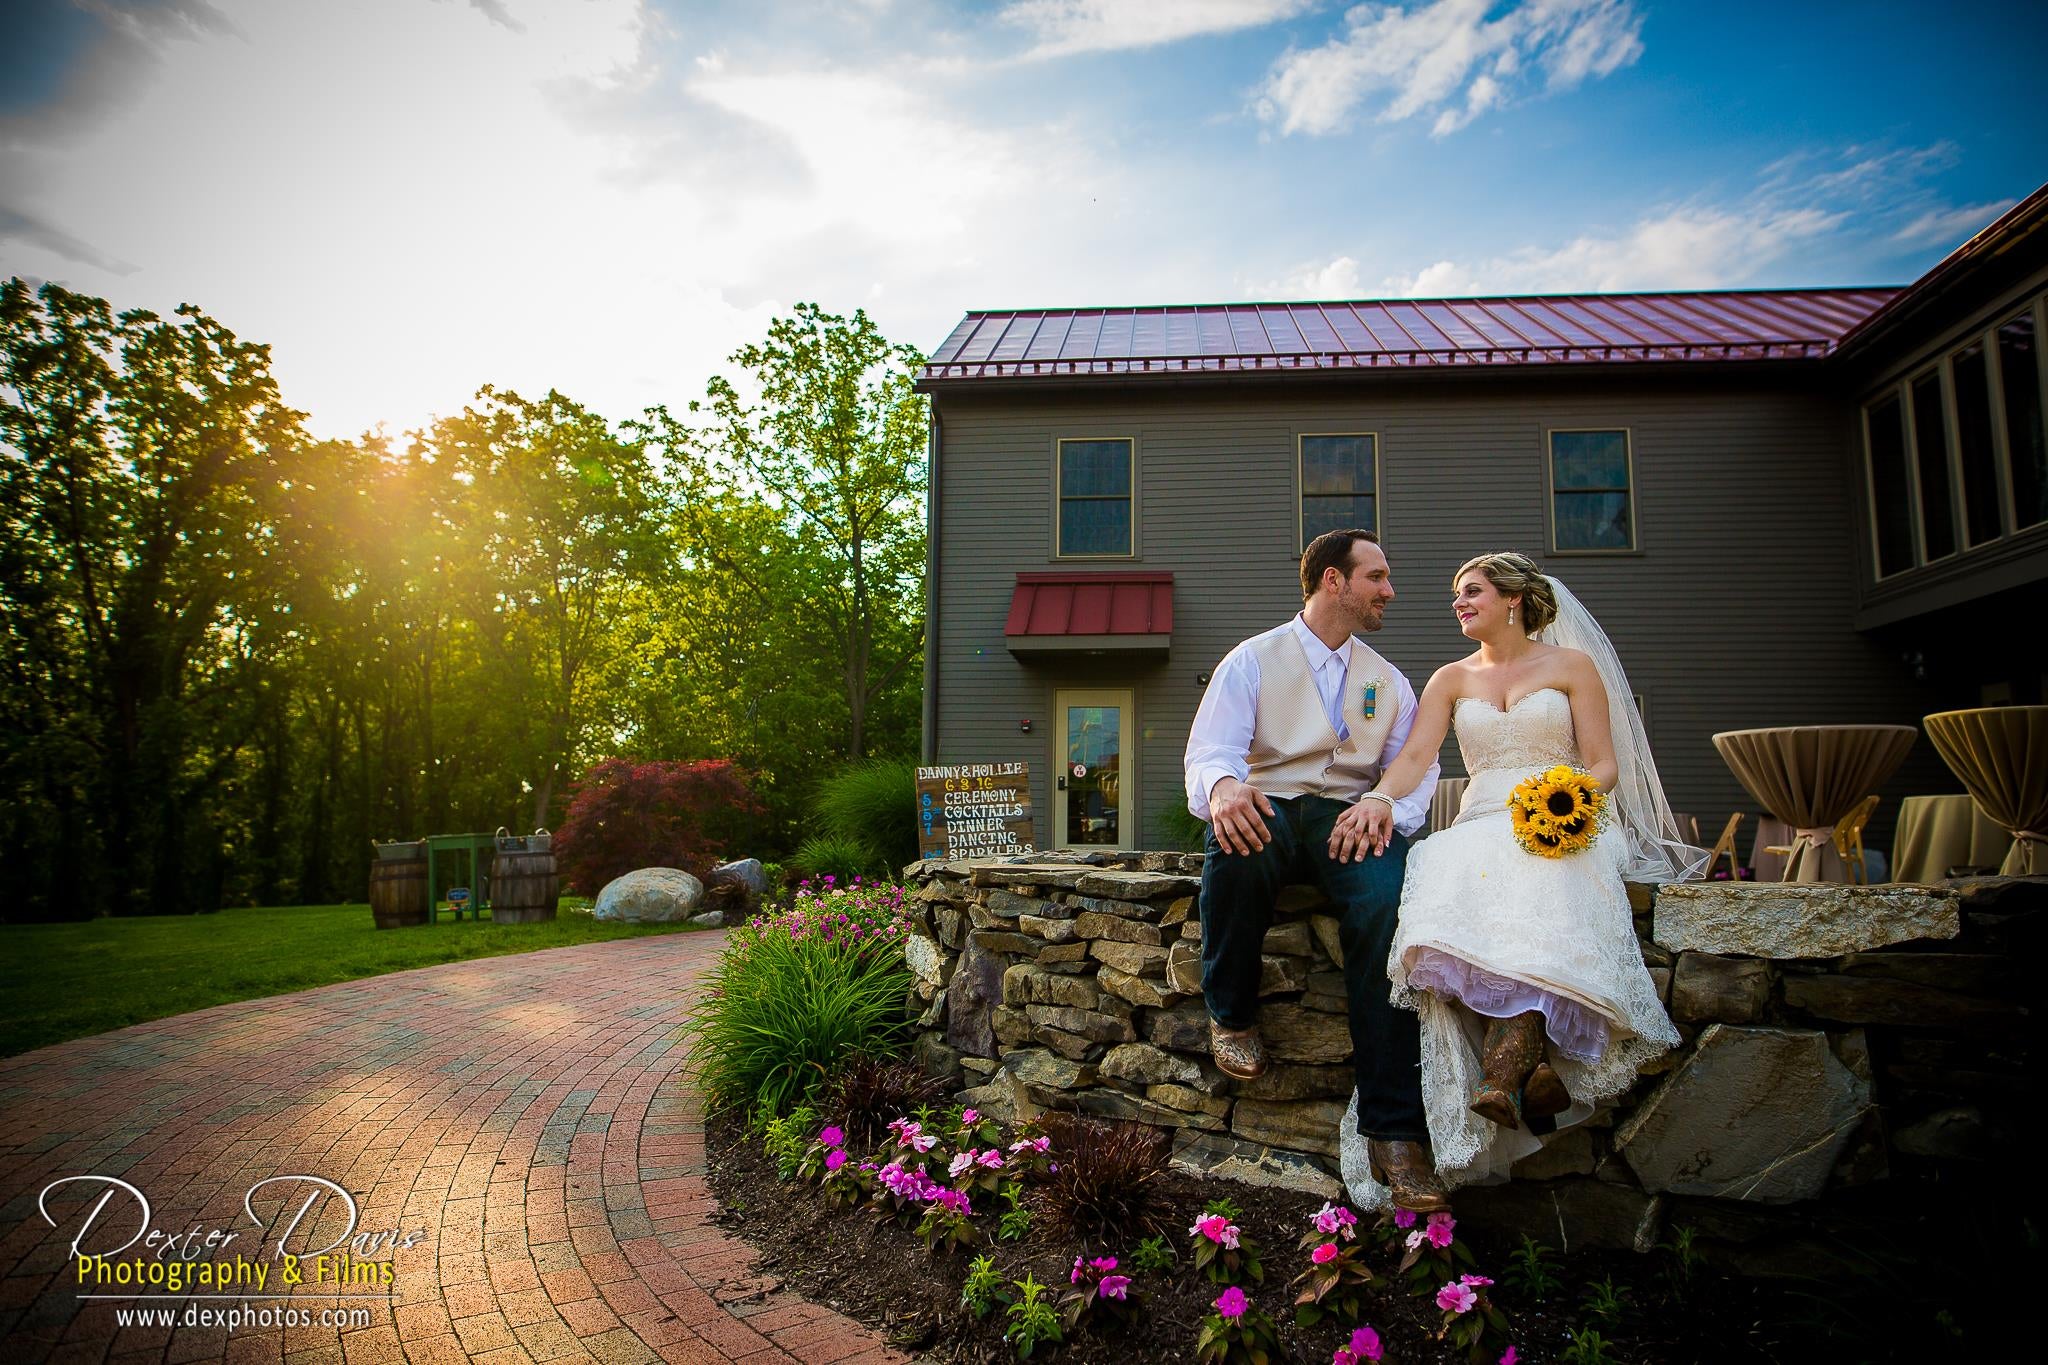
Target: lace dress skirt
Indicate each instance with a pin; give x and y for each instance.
(1489, 929)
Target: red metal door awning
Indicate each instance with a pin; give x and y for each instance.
(1090, 613)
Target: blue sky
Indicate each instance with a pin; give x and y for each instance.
(410, 198)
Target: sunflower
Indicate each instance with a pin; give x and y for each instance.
(1554, 811)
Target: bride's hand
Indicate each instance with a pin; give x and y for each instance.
(1364, 828)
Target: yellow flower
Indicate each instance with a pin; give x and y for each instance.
(1552, 812)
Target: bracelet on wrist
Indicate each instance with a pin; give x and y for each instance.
(1379, 796)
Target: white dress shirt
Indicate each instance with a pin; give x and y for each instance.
(1220, 740)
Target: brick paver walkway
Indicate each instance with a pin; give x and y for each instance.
(522, 1112)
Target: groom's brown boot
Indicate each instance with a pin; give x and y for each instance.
(1405, 1168)
(1238, 1053)
(1510, 1052)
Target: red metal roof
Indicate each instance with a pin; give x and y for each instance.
(1275, 337)
(1048, 604)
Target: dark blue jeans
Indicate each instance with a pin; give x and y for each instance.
(1237, 908)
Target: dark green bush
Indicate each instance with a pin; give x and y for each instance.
(873, 803)
(835, 856)
(1178, 828)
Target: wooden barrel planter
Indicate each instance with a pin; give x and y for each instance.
(524, 887)
(399, 897)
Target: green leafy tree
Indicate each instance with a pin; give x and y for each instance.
(138, 454)
(829, 436)
(560, 529)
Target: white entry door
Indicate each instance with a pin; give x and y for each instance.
(1095, 783)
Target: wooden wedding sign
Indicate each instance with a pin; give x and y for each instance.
(973, 810)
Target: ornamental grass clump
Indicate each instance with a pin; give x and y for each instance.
(798, 991)
(865, 1092)
(869, 804)
(1101, 1179)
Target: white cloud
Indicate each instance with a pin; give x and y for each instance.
(1454, 57)
(1064, 27)
(1696, 247)
(1951, 226)
(1336, 278)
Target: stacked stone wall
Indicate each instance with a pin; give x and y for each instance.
(1837, 1040)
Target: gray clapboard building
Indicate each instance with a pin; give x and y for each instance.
(1786, 506)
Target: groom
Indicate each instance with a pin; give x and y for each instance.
(1290, 738)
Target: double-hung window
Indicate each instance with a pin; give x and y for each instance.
(1095, 480)
(1340, 483)
(1592, 497)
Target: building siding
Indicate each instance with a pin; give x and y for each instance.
(1734, 613)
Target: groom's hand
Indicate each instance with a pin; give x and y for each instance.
(1365, 828)
(1234, 810)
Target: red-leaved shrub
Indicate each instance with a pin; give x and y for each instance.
(625, 815)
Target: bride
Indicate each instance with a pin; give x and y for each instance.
(1534, 1000)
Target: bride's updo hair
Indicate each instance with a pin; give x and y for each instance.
(1516, 575)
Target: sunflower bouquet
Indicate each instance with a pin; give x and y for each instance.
(1555, 811)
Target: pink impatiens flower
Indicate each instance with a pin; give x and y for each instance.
(1456, 1298)
(970, 1117)
(1231, 1303)
(1364, 1345)
(835, 1158)
(1404, 1218)
(960, 1163)
(1324, 1254)
(1103, 1263)
(1336, 1220)
(1217, 1229)
(923, 1142)
(1439, 1230)
(1116, 1287)
(832, 1136)
(1075, 1276)
(1508, 1357)
(991, 1158)
(1475, 1281)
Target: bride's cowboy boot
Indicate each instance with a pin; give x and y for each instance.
(1511, 1050)
(1406, 1170)
(1543, 1094)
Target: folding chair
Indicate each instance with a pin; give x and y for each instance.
(1725, 846)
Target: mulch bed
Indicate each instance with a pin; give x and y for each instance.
(880, 1273)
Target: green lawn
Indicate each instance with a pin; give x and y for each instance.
(69, 980)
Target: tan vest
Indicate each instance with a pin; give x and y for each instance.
(1294, 751)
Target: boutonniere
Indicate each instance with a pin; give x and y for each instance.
(1370, 700)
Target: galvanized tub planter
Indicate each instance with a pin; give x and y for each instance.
(524, 887)
(399, 896)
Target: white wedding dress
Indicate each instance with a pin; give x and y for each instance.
(1504, 930)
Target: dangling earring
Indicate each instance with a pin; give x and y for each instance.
(1511, 615)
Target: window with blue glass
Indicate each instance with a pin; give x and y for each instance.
(1340, 484)
(1592, 499)
(1095, 498)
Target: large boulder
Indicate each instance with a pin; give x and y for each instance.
(737, 885)
(652, 895)
(1755, 1114)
